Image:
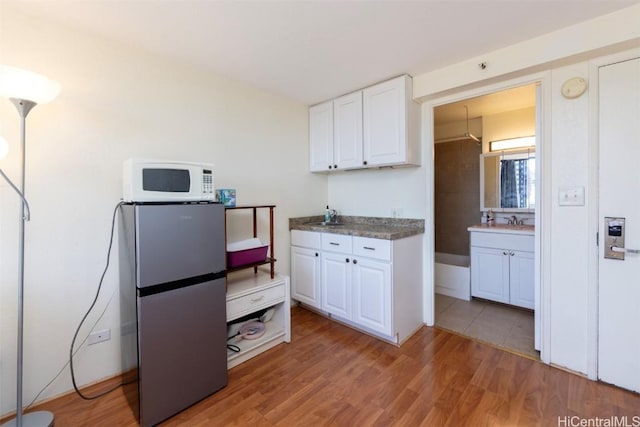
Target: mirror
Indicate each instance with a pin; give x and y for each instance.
(507, 180)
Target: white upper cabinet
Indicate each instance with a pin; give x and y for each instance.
(321, 137)
(391, 124)
(347, 131)
(377, 126)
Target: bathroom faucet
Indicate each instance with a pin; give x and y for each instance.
(513, 220)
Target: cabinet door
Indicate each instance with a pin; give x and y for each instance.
(305, 276)
(347, 131)
(521, 279)
(490, 274)
(321, 137)
(385, 123)
(372, 295)
(336, 284)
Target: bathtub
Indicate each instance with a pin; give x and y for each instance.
(451, 275)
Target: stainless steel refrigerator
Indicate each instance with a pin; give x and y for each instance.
(173, 304)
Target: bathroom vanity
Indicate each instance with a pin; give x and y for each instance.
(502, 263)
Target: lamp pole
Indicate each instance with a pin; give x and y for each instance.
(25, 90)
(38, 418)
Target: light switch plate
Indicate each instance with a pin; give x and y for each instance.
(571, 196)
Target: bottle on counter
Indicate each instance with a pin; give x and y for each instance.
(490, 218)
(327, 215)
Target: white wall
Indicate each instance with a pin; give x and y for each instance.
(375, 192)
(510, 124)
(118, 102)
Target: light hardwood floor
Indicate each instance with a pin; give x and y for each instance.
(332, 375)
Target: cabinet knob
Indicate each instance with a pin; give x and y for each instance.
(355, 261)
(347, 259)
(316, 253)
(330, 166)
(505, 253)
(511, 253)
(335, 166)
(364, 163)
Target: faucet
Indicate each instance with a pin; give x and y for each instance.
(333, 215)
(513, 220)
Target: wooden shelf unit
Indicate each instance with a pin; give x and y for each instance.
(271, 258)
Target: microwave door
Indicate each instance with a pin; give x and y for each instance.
(178, 241)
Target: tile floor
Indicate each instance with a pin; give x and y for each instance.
(504, 326)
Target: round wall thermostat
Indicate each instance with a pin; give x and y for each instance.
(574, 87)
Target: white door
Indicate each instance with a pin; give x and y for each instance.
(619, 194)
(347, 131)
(321, 137)
(372, 295)
(336, 284)
(305, 276)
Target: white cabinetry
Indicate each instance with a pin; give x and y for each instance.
(305, 267)
(390, 124)
(335, 134)
(377, 126)
(321, 137)
(502, 268)
(372, 284)
(249, 293)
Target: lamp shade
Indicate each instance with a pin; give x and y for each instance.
(22, 84)
(4, 148)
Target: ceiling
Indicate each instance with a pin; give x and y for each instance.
(493, 103)
(315, 50)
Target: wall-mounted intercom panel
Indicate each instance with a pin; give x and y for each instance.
(614, 237)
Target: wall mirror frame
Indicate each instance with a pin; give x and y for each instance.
(507, 181)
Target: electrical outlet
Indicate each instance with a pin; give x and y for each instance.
(396, 212)
(99, 336)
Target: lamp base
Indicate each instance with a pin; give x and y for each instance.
(33, 419)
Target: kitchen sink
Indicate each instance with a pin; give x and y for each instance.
(326, 224)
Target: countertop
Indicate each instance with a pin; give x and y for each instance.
(503, 228)
(374, 227)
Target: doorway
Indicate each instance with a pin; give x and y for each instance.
(463, 131)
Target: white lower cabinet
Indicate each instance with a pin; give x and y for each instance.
(372, 295)
(305, 273)
(502, 268)
(372, 284)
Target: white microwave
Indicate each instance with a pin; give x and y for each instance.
(147, 180)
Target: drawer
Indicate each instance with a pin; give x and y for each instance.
(336, 243)
(516, 242)
(306, 239)
(372, 248)
(255, 301)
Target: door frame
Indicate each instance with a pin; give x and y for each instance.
(594, 194)
(543, 205)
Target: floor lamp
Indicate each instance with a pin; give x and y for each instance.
(25, 90)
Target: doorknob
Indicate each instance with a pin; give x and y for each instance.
(624, 250)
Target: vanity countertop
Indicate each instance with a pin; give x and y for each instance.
(374, 227)
(503, 228)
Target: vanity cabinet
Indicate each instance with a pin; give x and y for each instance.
(502, 268)
(376, 126)
(372, 284)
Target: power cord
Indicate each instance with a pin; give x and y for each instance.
(75, 336)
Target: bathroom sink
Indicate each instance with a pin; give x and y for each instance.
(326, 224)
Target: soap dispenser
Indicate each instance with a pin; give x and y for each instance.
(327, 215)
